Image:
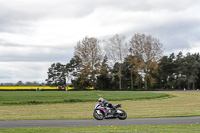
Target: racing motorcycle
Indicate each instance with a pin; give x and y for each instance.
(101, 113)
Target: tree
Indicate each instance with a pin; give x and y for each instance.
(148, 51)
(19, 83)
(134, 66)
(166, 70)
(34, 83)
(180, 70)
(116, 50)
(103, 81)
(192, 69)
(128, 73)
(56, 74)
(73, 71)
(89, 53)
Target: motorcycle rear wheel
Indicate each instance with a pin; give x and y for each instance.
(122, 116)
(98, 116)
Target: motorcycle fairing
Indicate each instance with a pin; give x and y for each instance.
(119, 111)
(102, 108)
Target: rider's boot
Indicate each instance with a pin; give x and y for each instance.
(114, 110)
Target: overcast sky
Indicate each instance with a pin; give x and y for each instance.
(36, 33)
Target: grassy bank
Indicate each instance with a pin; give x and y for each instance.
(49, 97)
(189, 128)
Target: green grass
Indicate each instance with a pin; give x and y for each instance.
(138, 105)
(141, 105)
(44, 97)
(181, 105)
(189, 128)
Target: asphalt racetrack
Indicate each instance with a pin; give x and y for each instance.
(93, 122)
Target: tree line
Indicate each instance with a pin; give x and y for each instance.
(118, 64)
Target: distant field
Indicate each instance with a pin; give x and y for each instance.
(44, 97)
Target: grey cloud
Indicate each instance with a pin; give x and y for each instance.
(5, 76)
(36, 53)
(173, 37)
(178, 35)
(32, 71)
(19, 14)
(35, 10)
(147, 5)
(5, 44)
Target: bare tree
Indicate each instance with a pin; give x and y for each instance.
(90, 55)
(148, 51)
(116, 50)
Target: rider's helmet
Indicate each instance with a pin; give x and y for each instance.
(100, 100)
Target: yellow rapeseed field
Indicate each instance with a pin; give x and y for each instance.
(37, 87)
(25, 87)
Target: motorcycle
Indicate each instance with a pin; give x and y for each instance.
(101, 113)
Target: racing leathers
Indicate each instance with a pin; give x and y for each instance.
(105, 103)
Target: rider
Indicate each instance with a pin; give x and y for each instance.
(102, 102)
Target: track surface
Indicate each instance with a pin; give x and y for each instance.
(93, 122)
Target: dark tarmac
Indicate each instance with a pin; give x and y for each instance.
(93, 122)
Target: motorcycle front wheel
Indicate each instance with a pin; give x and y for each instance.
(123, 115)
(98, 115)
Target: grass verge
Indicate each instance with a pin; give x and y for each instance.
(50, 97)
(189, 128)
